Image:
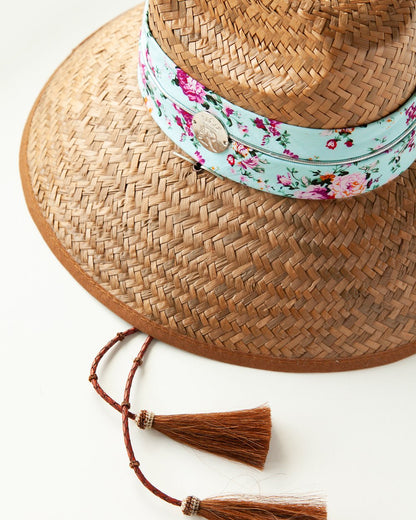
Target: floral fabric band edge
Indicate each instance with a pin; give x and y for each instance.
(265, 154)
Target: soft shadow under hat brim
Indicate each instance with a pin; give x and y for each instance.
(204, 264)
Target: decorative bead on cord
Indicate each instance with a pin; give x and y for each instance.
(145, 420)
(190, 506)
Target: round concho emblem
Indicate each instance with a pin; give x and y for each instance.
(210, 132)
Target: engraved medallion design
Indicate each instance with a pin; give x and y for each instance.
(210, 132)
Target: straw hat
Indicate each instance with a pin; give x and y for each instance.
(208, 263)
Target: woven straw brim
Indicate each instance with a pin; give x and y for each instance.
(204, 264)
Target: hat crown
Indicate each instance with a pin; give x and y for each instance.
(319, 64)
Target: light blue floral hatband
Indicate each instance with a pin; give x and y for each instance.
(288, 160)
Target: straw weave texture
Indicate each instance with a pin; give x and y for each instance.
(210, 265)
(316, 63)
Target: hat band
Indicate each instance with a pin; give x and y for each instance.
(266, 154)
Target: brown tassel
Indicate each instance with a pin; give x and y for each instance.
(240, 509)
(243, 435)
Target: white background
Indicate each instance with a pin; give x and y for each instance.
(349, 435)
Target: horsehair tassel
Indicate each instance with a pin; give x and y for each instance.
(270, 508)
(244, 508)
(242, 435)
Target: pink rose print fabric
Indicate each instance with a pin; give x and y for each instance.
(271, 155)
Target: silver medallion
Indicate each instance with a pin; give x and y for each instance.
(210, 132)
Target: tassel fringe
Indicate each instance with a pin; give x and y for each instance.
(242, 435)
(242, 509)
